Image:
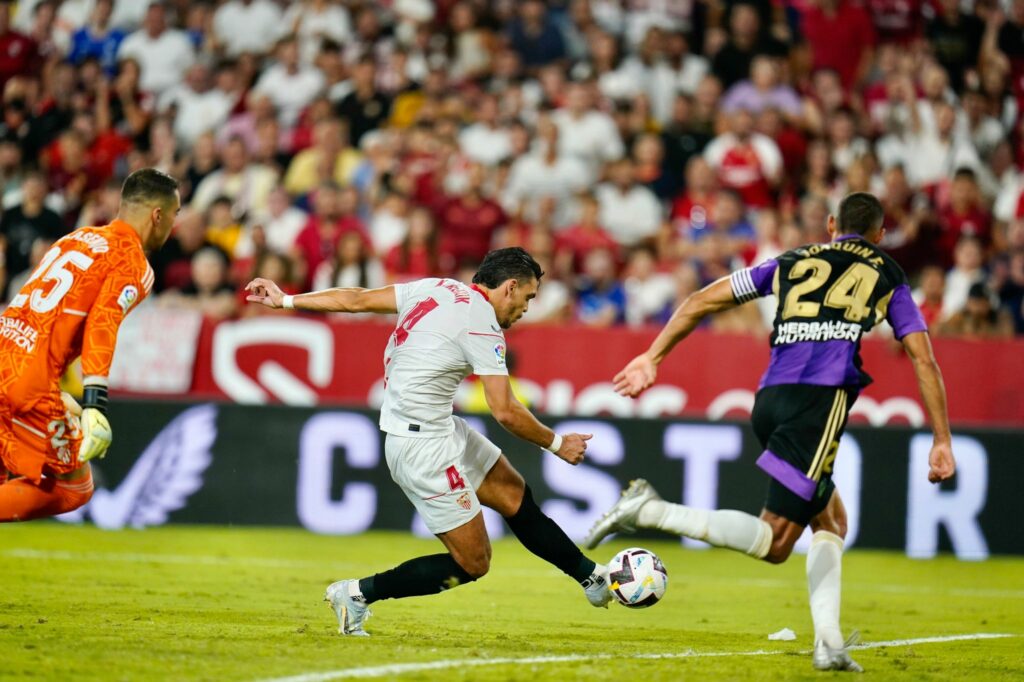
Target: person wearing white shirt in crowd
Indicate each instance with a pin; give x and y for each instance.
(314, 21)
(586, 133)
(968, 259)
(198, 108)
(248, 26)
(680, 71)
(130, 14)
(247, 184)
(163, 54)
(930, 152)
(648, 292)
(545, 176)
(485, 141)
(630, 212)
(279, 224)
(290, 85)
(389, 223)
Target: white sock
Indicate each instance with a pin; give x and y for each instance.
(355, 592)
(723, 528)
(824, 574)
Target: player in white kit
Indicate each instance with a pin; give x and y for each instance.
(446, 331)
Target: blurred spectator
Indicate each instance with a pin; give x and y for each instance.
(290, 84)
(746, 161)
(534, 35)
(247, 26)
(586, 235)
(277, 268)
(979, 318)
(584, 132)
(208, 290)
(650, 169)
(964, 216)
(630, 212)
(246, 184)
(929, 295)
(352, 265)
(648, 292)
(40, 245)
(276, 228)
(163, 54)
(1011, 293)
(602, 298)
(333, 216)
(486, 141)
(746, 40)
(313, 22)
(222, 228)
(968, 259)
(388, 222)
(546, 173)
(195, 105)
(364, 108)
(98, 39)
(764, 89)
(955, 37)
(330, 159)
(20, 54)
(23, 224)
(419, 254)
(841, 37)
(468, 221)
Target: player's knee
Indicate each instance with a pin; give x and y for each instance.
(73, 496)
(779, 551)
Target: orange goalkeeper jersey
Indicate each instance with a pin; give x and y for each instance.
(72, 305)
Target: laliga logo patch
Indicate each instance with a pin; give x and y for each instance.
(499, 354)
(129, 295)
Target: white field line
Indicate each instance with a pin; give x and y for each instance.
(262, 562)
(395, 669)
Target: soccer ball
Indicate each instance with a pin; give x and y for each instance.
(637, 578)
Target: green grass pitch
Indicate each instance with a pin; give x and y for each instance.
(211, 603)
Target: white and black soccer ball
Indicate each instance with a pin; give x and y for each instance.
(637, 578)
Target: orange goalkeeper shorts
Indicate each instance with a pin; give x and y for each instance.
(43, 440)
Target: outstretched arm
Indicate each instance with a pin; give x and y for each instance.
(349, 300)
(641, 372)
(933, 393)
(519, 421)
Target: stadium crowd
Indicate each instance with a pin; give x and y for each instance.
(638, 148)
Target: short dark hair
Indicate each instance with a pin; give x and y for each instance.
(860, 213)
(502, 265)
(148, 186)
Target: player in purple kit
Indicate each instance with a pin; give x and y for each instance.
(829, 296)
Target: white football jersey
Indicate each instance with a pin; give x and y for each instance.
(446, 331)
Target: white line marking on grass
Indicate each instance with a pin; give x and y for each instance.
(405, 668)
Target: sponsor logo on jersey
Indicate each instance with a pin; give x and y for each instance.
(23, 335)
(129, 295)
(794, 332)
(499, 354)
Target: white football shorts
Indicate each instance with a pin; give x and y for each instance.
(440, 475)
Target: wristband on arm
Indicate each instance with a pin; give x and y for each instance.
(556, 444)
(95, 396)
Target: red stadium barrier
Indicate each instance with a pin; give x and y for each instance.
(306, 361)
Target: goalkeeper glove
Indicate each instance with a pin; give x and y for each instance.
(96, 433)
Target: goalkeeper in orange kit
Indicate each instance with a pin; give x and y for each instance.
(72, 305)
